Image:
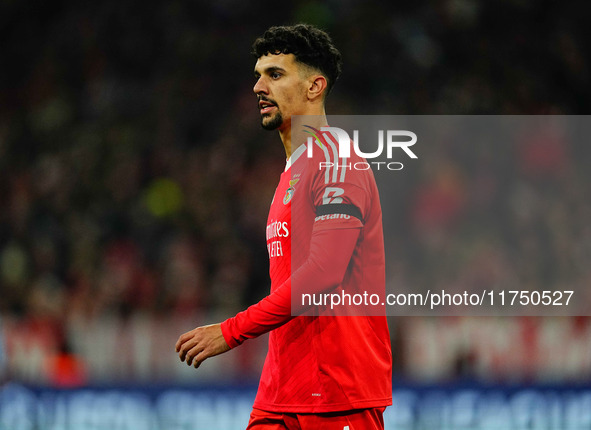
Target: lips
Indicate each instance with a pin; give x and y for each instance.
(266, 106)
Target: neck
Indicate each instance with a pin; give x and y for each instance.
(316, 120)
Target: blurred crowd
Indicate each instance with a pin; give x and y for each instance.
(135, 179)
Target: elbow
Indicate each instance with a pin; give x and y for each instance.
(330, 276)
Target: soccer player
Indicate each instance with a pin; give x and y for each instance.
(323, 370)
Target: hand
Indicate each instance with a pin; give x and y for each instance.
(200, 343)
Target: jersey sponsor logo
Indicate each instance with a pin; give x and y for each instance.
(277, 229)
(331, 195)
(332, 216)
(339, 209)
(275, 249)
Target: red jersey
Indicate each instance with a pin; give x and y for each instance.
(323, 361)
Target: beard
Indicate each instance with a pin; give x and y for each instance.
(272, 123)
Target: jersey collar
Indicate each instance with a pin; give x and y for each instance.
(296, 154)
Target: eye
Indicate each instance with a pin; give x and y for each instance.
(275, 75)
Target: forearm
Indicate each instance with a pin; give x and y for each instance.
(330, 253)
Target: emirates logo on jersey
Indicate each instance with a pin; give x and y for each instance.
(289, 192)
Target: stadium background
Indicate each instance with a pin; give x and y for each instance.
(135, 181)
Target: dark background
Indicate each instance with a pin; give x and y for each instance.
(135, 178)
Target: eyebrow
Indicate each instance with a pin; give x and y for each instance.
(269, 70)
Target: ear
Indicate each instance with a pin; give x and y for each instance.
(317, 87)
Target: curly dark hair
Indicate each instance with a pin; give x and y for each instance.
(309, 45)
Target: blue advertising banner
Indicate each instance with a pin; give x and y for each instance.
(465, 407)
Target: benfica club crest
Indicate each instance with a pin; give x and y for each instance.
(289, 193)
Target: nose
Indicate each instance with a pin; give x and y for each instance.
(260, 87)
